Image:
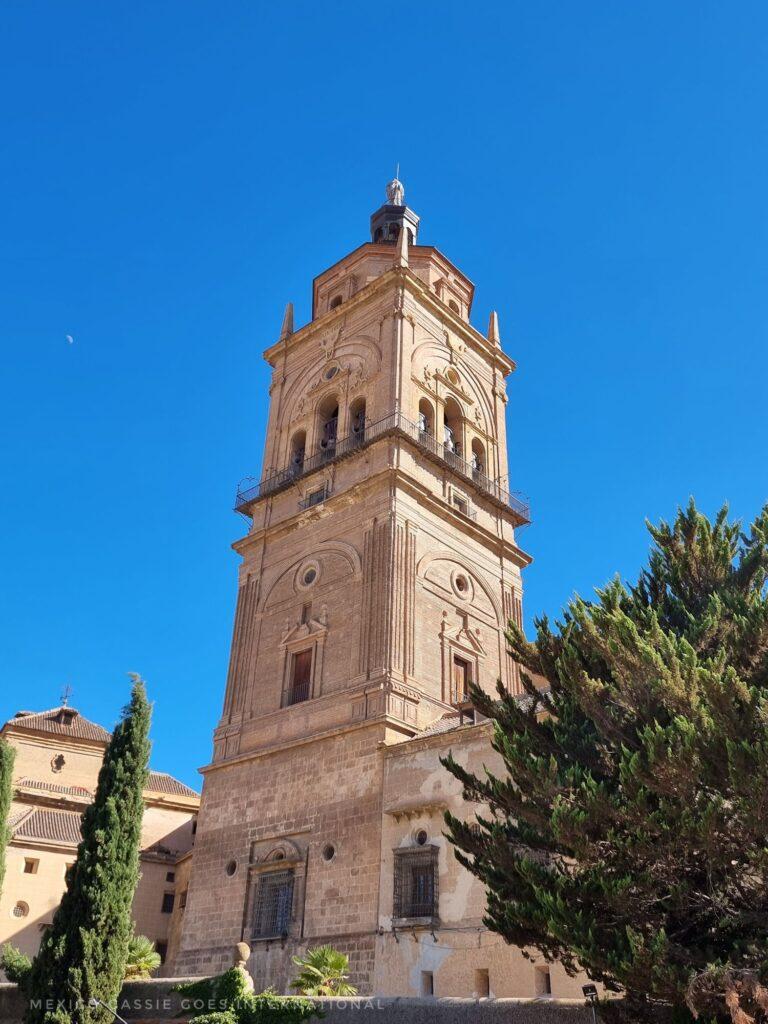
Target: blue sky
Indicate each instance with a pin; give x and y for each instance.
(173, 173)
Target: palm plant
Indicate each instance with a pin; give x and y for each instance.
(323, 972)
(142, 958)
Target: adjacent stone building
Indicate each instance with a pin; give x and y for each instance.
(58, 757)
(378, 572)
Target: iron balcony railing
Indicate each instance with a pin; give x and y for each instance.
(397, 424)
(298, 693)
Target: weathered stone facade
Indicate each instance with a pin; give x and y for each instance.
(377, 576)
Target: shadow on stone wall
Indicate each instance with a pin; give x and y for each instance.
(145, 1001)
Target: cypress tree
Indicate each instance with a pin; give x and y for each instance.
(83, 952)
(7, 757)
(628, 833)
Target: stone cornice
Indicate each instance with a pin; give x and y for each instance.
(419, 290)
(397, 477)
(380, 722)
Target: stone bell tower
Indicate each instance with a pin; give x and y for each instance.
(377, 576)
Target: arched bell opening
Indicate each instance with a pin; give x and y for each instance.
(453, 425)
(426, 417)
(298, 451)
(328, 425)
(357, 421)
(478, 458)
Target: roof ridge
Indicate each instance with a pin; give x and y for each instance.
(63, 721)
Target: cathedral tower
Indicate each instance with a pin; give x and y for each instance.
(377, 575)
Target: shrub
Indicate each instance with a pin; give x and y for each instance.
(324, 972)
(142, 960)
(16, 964)
(231, 1002)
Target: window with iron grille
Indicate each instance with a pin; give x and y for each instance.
(272, 905)
(416, 888)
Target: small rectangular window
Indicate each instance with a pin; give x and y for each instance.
(273, 904)
(461, 504)
(416, 882)
(482, 983)
(168, 900)
(183, 900)
(542, 981)
(31, 865)
(427, 983)
(170, 876)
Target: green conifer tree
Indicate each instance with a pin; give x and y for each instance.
(83, 953)
(7, 756)
(629, 831)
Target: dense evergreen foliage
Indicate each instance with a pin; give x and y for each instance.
(629, 831)
(7, 756)
(15, 964)
(83, 953)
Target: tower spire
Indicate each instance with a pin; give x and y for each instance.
(493, 328)
(287, 327)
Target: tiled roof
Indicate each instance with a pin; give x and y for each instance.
(52, 787)
(50, 826)
(162, 782)
(61, 721)
(16, 818)
(450, 720)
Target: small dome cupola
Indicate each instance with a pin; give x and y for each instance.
(387, 221)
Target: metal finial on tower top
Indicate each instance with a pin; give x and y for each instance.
(66, 693)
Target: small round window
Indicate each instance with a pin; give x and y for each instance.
(308, 574)
(331, 372)
(452, 376)
(21, 909)
(421, 837)
(231, 868)
(462, 586)
(329, 852)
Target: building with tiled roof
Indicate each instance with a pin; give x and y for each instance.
(61, 721)
(58, 757)
(162, 782)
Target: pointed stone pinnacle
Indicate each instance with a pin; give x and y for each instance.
(287, 327)
(401, 260)
(493, 328)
